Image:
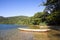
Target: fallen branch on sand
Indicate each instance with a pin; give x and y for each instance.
(34, 29)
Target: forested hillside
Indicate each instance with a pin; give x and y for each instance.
(36, 19)
(13, 20)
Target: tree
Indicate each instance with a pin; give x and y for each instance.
(53, 7)
(38, 18)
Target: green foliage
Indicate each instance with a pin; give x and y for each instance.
(34, 26)
(43, 24)
(24, 20)
(38, 15)
(54, 7)
(38, 18)
(14, 20)
(53, 18)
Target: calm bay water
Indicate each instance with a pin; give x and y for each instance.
(10, 26)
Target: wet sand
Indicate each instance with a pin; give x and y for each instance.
(15, 34)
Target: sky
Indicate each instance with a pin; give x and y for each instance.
(10, 8)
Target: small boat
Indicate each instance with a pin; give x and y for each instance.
(37, 30)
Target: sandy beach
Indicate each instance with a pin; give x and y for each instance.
(15, 34)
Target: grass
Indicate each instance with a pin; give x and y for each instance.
(38, 27)
(34, 27)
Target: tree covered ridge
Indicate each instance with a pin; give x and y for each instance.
(24, 20)
(12, 20)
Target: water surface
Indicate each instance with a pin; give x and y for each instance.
(11, 32)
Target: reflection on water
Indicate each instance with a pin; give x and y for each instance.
(10, 26)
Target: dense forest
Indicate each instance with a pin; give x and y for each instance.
(50, 16)
(24, 20)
